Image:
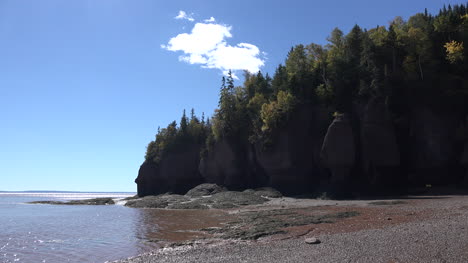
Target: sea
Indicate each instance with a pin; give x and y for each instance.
(60, 233)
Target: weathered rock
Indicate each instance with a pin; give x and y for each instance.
(312, 240)
(338, 150)
(94, 201)
(231, 164)
(205, 189)
(252, 225)
(267, 192)
(159, 201)
(220, 200)
(291, 157)
(432, 147)
(232, 199)
(177, 172)
(147, 180)
(380, 153)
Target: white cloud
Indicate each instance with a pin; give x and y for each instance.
(184, 15)
(206, 45)
(211, 20)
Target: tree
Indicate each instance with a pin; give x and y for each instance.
(454, 51)
(183, 123)
(418, 46)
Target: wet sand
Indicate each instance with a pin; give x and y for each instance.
(418, 229)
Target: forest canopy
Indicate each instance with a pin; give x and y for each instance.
(421, 61)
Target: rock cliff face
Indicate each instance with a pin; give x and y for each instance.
(176, 173)
(365, 148)
(233, 165)
(292, 162)
(432, 150)
(380, 153)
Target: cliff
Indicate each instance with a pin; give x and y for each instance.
(310, 152)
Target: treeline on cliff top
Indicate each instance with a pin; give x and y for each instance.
(422, 61)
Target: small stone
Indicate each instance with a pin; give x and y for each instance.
(388, 218)
(312, 240)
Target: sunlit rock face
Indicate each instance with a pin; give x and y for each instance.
(177, 172)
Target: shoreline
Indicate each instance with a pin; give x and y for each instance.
(413, 229)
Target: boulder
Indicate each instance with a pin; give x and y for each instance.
(291, 158)
(380, 153)
(338, 149)
(205, 189)
(177, 172)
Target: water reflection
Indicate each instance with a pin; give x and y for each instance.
(161, 226)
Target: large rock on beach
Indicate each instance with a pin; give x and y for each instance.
(205, 189)
(338, 150)
(206, 196)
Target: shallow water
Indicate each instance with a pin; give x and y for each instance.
(79, 233)
(48, 233)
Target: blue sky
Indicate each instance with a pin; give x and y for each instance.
(84, 84)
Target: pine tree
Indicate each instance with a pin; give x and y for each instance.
(183, 123)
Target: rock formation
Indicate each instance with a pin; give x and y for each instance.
(338, 150)
(380, 153)
(232, 165)
(291, 160)
(365, 151)
(432, 149)
(177, 172)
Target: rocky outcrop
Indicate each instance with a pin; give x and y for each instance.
(147, 180)
(380, 153)
(206, 196)
(205, 189)
(291, 159)
(177, 172)
(338, 150)
(93, 201)
(232, 165)
(432, 150)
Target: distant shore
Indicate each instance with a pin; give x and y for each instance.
(411, 229)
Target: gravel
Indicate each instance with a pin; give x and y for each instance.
(441, 238)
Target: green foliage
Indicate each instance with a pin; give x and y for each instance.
(276, 112)
(422, 60)
(454, 51)
(173, 138)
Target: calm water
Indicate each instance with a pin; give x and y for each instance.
(48, 233)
